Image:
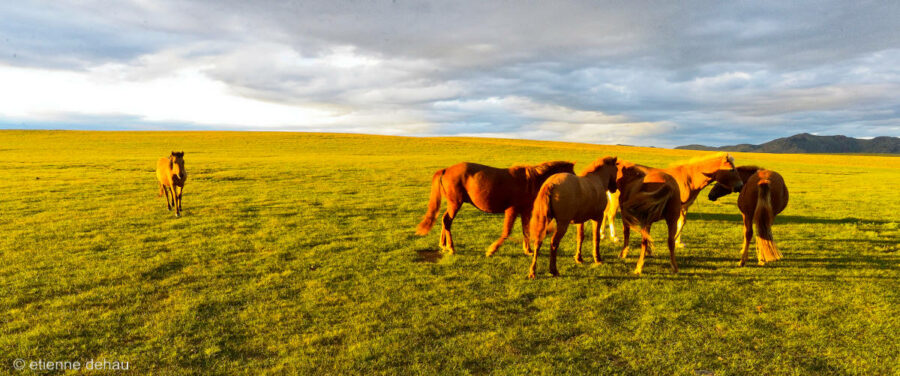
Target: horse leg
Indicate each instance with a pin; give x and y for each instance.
(447, 222)
(598, 229)
(748, 234)
(578, 240)
(681, 217)
(538, 240)
(509, 220)
(526, 238)
(645, 245)
(178, 191)
(168, 203)
(561, 227)
(670, 241)
(626, 233)
(612, 228)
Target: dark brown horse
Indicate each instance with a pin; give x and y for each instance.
(647, 196)
(492, 190)
(171, 175)
(764, 196)
(567, 199)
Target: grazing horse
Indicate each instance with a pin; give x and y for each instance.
(764, 196)
(572, 199)
(492, 190)
(171, 174)
(647, 196)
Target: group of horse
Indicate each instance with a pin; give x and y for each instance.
(551, 191)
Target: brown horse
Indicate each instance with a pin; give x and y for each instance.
(572, 199)
(647, 196)
(694, 175)
(764, 196)
(492, 190)
(171, 174)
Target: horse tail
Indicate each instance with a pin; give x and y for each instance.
(649, 206)
(763, 217)
(541, 214)
(434, 203)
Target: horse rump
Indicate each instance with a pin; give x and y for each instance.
(541, 214)
(434, 204)
(763, 217)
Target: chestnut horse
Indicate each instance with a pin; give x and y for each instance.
(171, 174)
(572, 199)
(647, 196)
(764, 196)
(492, 190)
(691, 176)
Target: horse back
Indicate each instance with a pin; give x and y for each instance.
(490, 189)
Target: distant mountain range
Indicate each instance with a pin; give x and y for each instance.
(807, 143)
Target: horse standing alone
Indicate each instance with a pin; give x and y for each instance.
(572, 199)
(491, 190)
(764, 196)
(171, 174)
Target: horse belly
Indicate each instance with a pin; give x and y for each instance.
(489, 199)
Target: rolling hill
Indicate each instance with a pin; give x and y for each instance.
(808, 143)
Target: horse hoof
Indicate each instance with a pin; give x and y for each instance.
(579, 261)
(637, 272)
(554, 273)
(596, 262)
(679, 245)
(531, 276)
(614, 240)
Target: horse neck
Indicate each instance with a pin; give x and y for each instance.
(694, 174)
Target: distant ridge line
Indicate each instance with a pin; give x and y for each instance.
(809, 143)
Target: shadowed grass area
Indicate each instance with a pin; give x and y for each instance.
(296, 254)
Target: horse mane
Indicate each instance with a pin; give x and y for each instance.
(532, 173)
(704, 158)
(597, 164)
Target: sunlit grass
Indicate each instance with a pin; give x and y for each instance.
(297, 253)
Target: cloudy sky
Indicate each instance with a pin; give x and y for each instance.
(641, 73)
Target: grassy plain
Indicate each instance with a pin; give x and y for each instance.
(296, 254)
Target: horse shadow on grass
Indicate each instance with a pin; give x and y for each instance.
(782, 219)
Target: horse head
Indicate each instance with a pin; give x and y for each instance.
(726, 177)
(743, 172)
(176, 164)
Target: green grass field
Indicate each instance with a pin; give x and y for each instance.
(296, 254)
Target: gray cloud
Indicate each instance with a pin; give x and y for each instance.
(646, 73)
